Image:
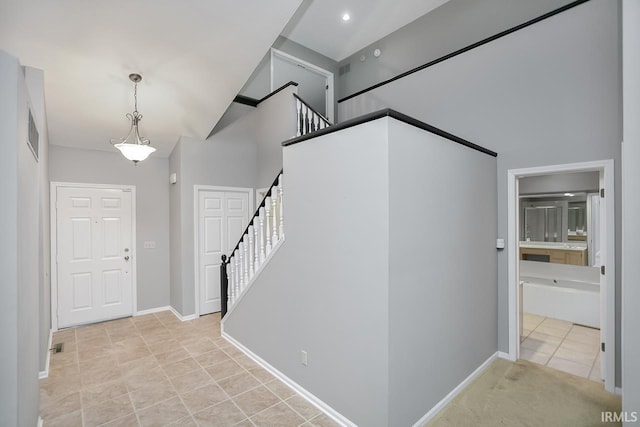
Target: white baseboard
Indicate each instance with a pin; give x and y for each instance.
(45, 374)
(453, 393)
(503, 355)
(40, 422)
(167, 308)
(329, 411)
(618, 391)
(152, 310)
(181, 317)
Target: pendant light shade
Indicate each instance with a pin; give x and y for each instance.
(133, 146)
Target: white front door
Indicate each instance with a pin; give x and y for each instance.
(222, 217)
(94, 256)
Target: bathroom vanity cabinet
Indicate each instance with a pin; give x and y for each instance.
(557, 255)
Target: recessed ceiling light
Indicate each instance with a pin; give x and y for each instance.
(346, 17)
(569, 194)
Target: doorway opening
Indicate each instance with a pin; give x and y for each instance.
(315, 84)
(562, 268)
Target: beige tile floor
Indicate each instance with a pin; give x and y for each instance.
(155, 370)
(561, 345)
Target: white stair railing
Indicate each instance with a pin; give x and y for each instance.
(308, 120)
(264, 233)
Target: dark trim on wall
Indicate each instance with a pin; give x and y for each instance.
(395, 115)
(468, 48)
(241, 99)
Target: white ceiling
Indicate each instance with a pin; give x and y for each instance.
(318, 24)
(194, 56)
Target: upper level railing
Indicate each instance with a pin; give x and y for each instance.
(308, 120)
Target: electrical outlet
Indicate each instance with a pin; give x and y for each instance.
(150, 244)
(303, 357)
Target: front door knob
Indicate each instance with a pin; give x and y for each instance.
(126, 258)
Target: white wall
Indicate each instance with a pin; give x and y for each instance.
(151, 179)
(631, 207)
(20, 254)
(548, 94)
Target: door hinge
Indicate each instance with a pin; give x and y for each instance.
(602, 192)
(602, 270)
(602, 346)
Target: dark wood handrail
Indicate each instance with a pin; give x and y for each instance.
(247, 100)
(257, 212)
(395, 115)
(224, 280)
(326, 121)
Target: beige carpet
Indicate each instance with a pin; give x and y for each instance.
(527, 394)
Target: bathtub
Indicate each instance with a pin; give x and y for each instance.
(574, 301)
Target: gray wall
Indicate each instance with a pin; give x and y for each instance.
(326, 290)
(34, 80)
(452, 26)
(219, 161)
(560, 183)
(245, 153)
(20, 216)
(548, 94)
(175, 225)
(631, 207)
(151, 179)
(275, 121)
(442, 320)
(259, 84)
(361, 281)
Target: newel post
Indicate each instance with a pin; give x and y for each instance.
(224, 285)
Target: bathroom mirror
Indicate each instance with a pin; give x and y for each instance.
(556, 228)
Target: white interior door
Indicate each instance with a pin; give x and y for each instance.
(94, 255)
(222, 217)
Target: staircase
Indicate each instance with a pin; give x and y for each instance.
(265, 232)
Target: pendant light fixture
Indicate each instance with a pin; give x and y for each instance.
(133, 147)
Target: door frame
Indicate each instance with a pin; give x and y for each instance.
(329, 94)
(607, 243)
(196, 229)
(54, 185)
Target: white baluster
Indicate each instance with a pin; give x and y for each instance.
(236, 288)
(280, 197)
(267, 231)
(256, 251)
(307, 120)
(274, 210)
(242, 268)
(263, 254)
(245, 246)
(299, 115)
(251, 252)
(231, 279)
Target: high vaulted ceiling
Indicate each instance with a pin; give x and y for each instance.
(318, 24)
(194, 56)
